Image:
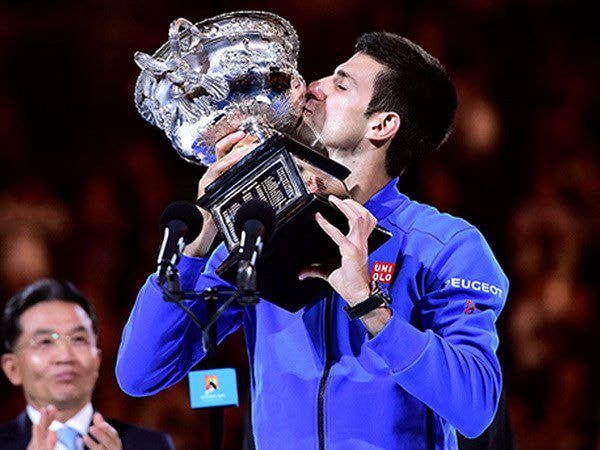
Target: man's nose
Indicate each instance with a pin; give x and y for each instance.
(315, 90)
(63, 350)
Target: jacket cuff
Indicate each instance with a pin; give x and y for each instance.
(399, 344)
(190, 269)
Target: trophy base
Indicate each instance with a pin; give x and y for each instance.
(295, 245)
(295, 181)
(281, 172)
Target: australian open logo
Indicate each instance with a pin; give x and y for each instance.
(211, 383)
(212, 389)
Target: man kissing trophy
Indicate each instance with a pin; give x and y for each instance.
(239, 71)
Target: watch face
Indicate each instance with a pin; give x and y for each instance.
(376, 289)
(383, 291)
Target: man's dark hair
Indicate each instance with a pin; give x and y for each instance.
(417, 87)
(44, 290)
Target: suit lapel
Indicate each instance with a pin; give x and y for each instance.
(23, 432)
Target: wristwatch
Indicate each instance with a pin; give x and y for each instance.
(377, 299)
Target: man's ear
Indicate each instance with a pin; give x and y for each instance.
(11, 368)
(99, 355)
(383, 126)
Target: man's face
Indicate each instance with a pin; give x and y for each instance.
(55, 358)
(336, 104)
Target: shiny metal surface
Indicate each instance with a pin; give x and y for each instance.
(235, 70)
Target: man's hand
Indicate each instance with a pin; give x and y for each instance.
(229, 151)
(41, 437)
(101, 435)
(351, 279)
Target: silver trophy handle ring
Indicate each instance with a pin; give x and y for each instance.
(177, 44)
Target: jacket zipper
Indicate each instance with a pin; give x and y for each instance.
(325, 376)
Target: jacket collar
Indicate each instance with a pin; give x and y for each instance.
(385, 201)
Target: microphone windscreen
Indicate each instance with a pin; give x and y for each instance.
(187, 213)
(258, 210)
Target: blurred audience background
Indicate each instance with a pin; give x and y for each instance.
(83, 179)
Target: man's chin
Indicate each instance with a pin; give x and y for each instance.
(65, 398)
(307, 133)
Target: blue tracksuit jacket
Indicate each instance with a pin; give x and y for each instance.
(319, 379)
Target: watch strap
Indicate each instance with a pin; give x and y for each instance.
(377, 299)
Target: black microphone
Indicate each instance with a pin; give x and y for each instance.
(181, 222)
(254, 223)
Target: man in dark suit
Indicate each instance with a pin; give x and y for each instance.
(49, 332)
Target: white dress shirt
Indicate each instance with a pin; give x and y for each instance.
(80, 422)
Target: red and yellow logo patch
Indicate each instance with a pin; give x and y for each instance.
(211, 383)
(469, 307)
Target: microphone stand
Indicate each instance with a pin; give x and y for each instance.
(246, 282)
(172, 293)
(216, 416)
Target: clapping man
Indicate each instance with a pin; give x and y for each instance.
(49, 332)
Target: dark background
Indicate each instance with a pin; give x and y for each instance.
(83, 179)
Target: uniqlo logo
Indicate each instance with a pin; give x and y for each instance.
(382, 272)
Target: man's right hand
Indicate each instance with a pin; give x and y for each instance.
(229, 151)
(42, 438)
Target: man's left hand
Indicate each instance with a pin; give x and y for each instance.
(351, 279)
(101, 435)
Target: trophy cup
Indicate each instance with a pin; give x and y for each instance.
(238, 71)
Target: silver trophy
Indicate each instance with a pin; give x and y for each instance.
(238, 71)
(233, 71)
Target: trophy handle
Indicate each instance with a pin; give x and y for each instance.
(176, 37)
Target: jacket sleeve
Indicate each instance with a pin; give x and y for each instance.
(448, 361)
(160, 343)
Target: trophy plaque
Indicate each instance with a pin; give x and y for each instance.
(238, 71)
